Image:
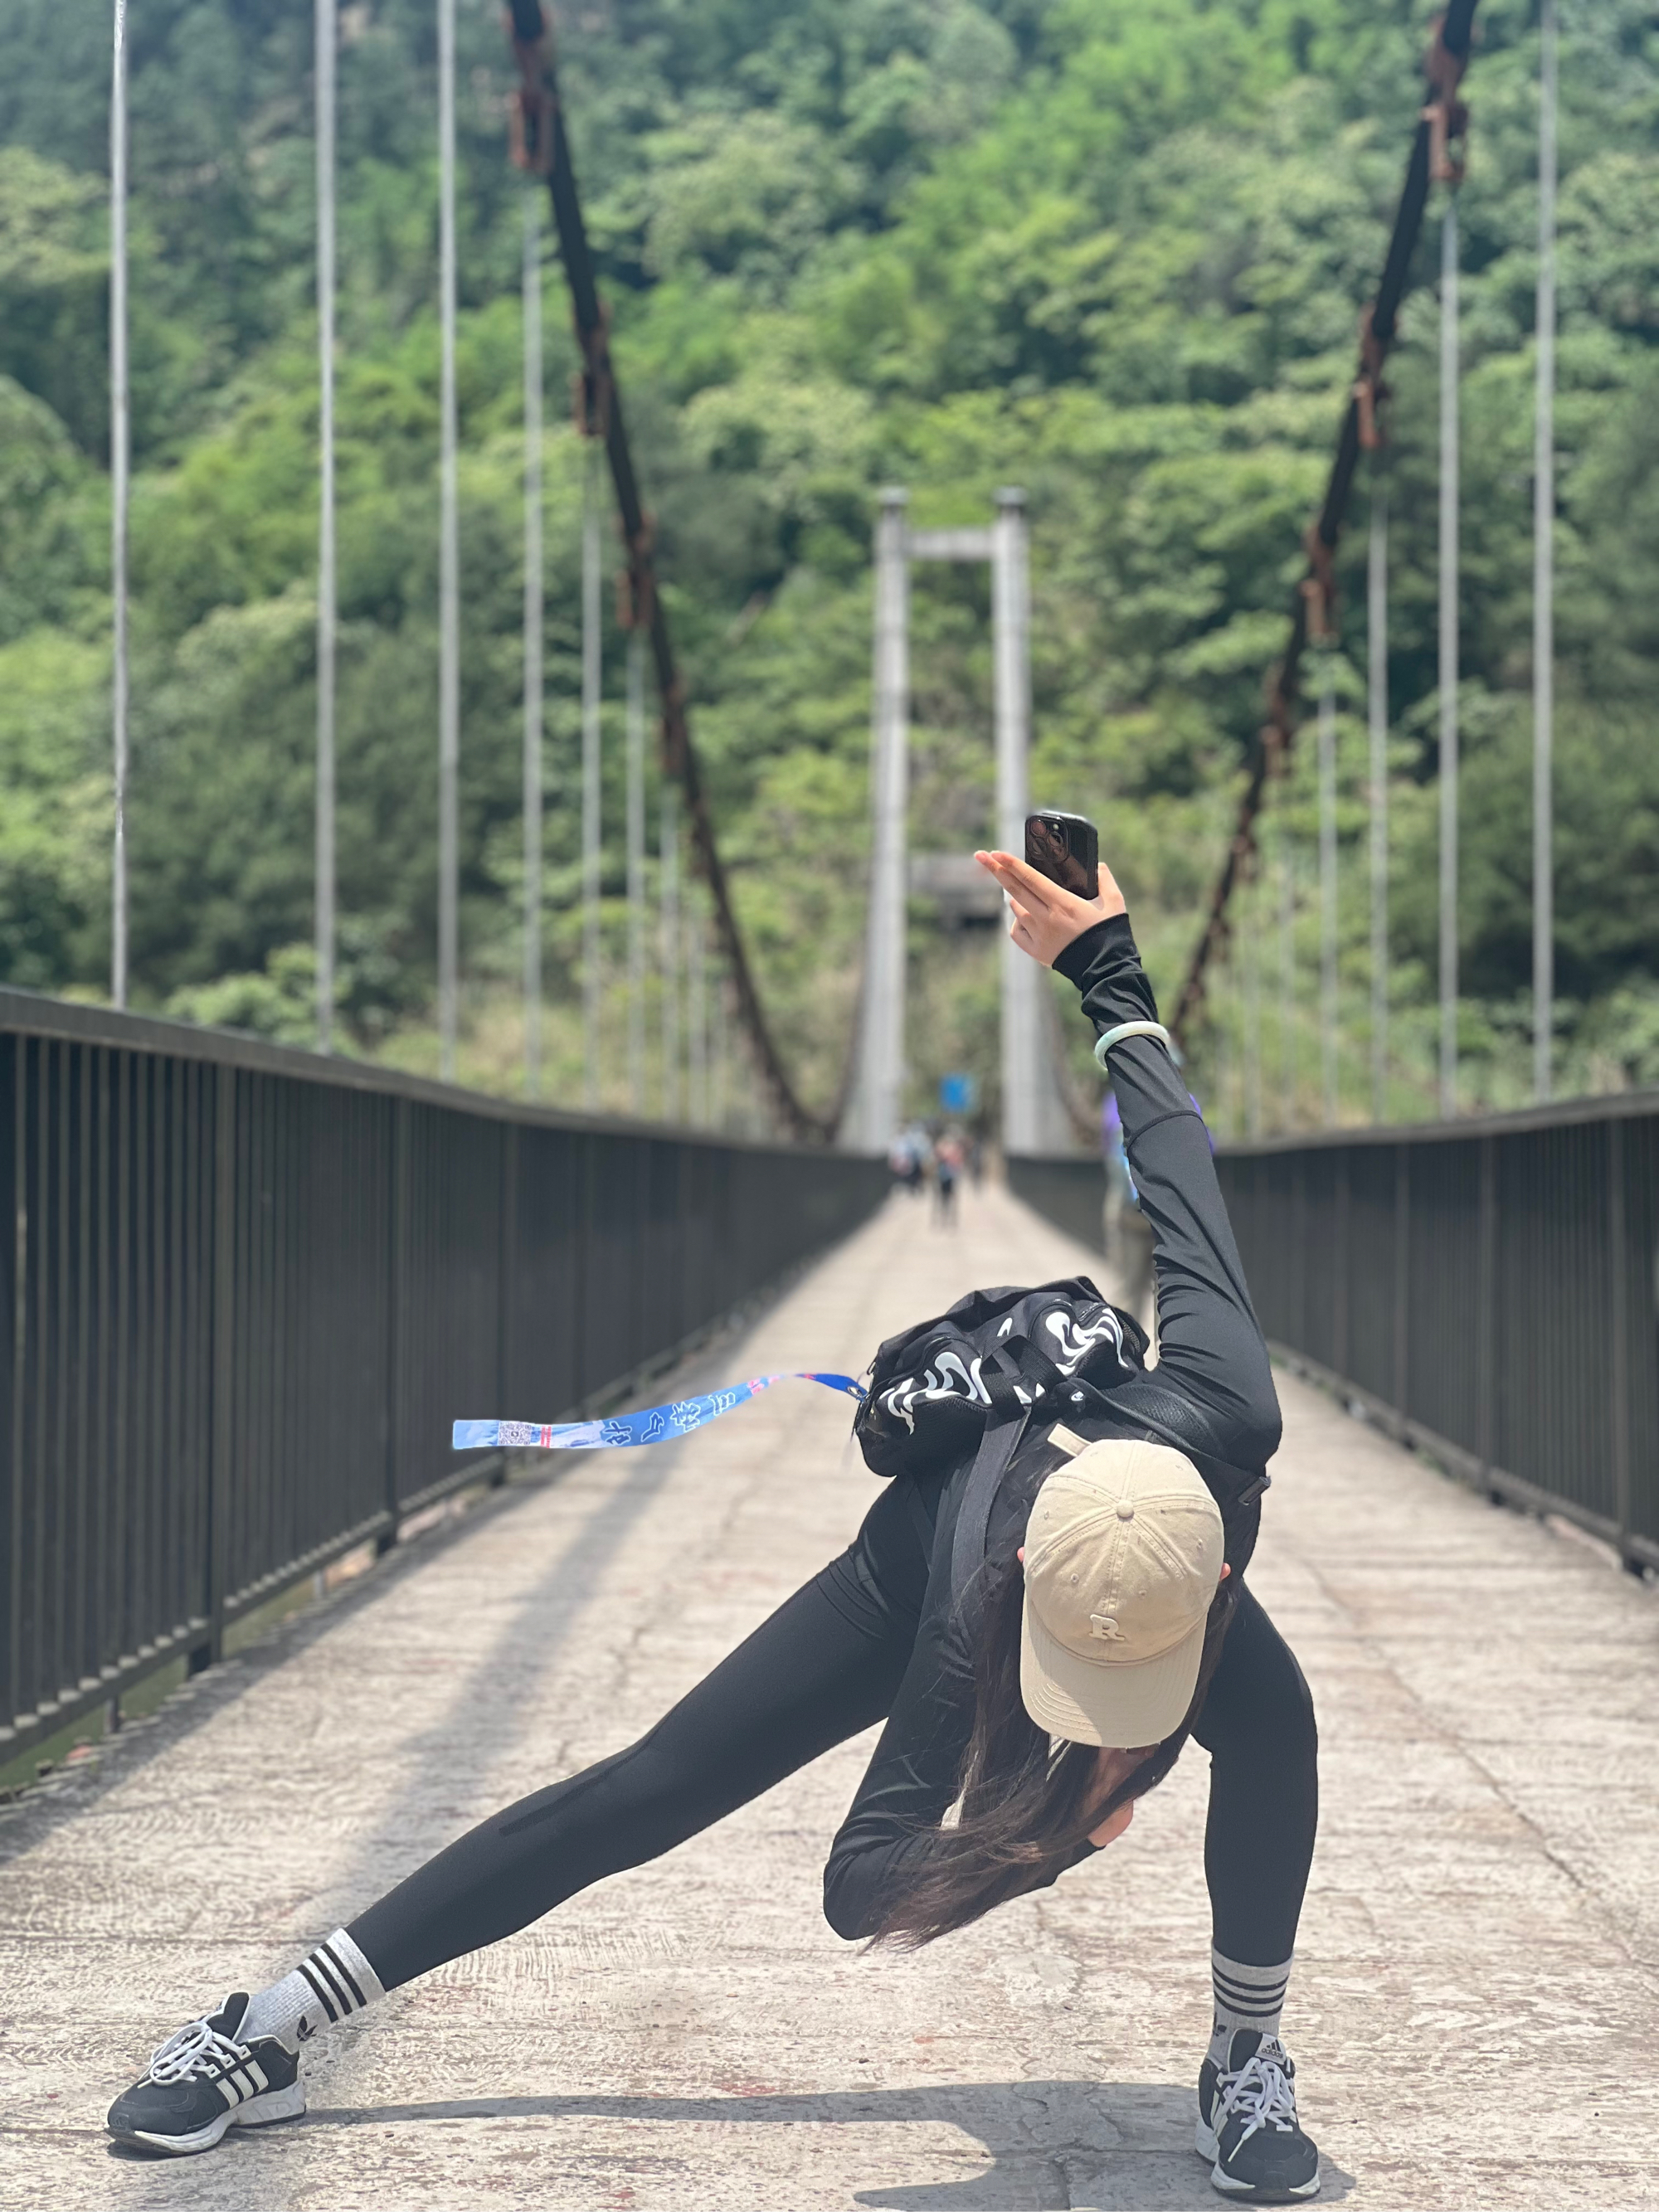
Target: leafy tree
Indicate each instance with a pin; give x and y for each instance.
(1112, 253)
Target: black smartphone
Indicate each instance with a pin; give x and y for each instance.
(1065, 848)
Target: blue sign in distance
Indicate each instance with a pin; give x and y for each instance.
(957, 1093)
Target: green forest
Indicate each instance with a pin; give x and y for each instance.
(1112, 253)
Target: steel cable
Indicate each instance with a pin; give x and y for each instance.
(542, 146)
(1441, 123)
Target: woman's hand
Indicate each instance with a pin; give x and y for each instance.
(1111, 1767)
(1045, 918)
(1111, 1829)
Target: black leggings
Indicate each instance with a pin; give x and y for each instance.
(823, 1667)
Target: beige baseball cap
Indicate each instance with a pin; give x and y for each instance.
(1123, 1551)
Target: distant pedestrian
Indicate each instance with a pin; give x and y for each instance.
(906, 1160)
(947, 1173)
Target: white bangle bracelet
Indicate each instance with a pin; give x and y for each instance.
(1125, 1029)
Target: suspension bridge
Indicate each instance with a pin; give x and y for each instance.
(247, 1288)
(692, 2031)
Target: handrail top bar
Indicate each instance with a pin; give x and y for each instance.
(34, 1013)
(1560, 1114)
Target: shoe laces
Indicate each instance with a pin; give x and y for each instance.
(1261, 2094)
(196, 2049)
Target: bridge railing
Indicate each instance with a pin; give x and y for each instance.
(1488, 1290)
(244, 1291)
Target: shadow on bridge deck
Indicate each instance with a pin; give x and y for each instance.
(1476, 1999)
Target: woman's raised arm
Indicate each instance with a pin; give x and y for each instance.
(1210, 1344)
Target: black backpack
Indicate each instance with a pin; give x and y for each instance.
(971, 1382)
(995, 1353)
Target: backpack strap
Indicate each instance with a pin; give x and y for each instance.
(995, 1455)
(1006, 1420)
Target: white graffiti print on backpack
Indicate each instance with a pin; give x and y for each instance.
(1077, 1337)
(953, 1377)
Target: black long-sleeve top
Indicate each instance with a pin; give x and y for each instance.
(1213, 1388)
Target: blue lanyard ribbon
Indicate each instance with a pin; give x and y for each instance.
(655, 1424)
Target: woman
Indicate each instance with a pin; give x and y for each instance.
(1105, 1626)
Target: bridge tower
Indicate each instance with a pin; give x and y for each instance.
(1033, 1118)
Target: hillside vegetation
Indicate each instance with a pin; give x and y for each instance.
(1112, 253)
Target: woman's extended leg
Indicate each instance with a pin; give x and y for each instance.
(1258, 1727)
(819, 1670)
(824, 1667)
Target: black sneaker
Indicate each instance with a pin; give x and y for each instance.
(1247, 2126)
(202, 2080)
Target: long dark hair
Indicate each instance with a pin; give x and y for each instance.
(1026, 1804)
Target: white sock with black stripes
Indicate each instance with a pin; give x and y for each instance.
(332, 1983)
(1245, 1996)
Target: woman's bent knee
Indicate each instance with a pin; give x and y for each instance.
(1281, 1706)
(1260, 1706)
(1301, 1722)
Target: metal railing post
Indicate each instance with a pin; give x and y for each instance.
(18, 1216)
(1298, 1300)
(1286, 965)
(221, 1479)
(1339, 1267)
(109, 1498)
(397, 1268)
(1618, 1331)
(1402, 1253)
(1253, 1013)
(507, 1264)
(1487, 1319)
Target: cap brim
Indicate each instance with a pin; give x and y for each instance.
(1120, 1704)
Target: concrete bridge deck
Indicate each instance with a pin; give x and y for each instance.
(1475, 2008)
